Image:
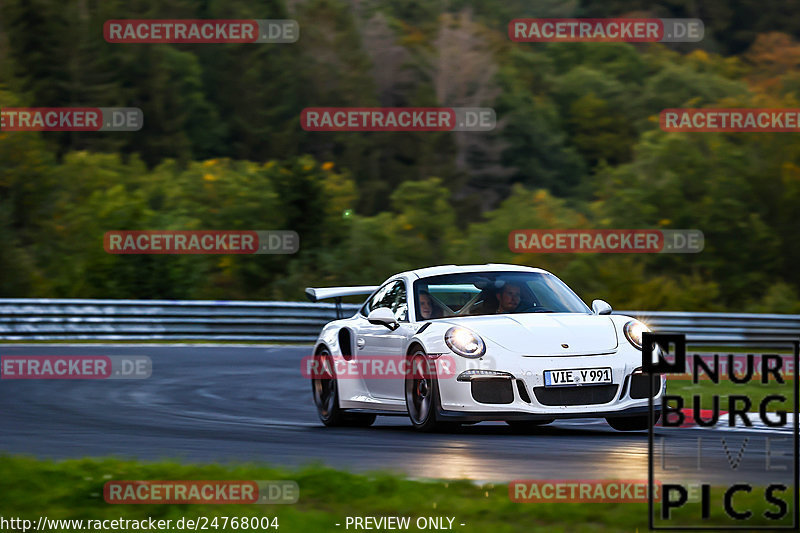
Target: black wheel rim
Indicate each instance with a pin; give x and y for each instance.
(325, 384)
(419, 388)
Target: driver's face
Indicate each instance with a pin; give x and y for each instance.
(425, 306)
(509, 298)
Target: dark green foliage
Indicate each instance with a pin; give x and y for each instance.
(577, 145)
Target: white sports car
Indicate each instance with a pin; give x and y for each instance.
(451, 344)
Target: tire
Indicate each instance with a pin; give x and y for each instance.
(326, 397)
(631, 423)
(528, 425)
(422, 395)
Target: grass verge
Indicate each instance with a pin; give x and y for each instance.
(73, 489)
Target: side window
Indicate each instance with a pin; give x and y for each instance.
(380, 298)
(391, 296)
(399, 302)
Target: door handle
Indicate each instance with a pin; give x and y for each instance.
(360, 342)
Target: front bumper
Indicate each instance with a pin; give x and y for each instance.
(522, 394)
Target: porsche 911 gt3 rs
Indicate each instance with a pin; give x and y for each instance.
(499, 342)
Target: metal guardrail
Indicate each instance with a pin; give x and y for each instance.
(73, 319)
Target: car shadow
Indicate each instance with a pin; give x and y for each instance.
(493, 429)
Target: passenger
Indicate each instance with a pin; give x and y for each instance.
(508, 299)
(427, 309)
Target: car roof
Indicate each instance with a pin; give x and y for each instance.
(454, 269)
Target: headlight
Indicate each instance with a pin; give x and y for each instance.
(633, 331)
(464, 342)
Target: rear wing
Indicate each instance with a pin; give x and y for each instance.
(326, 293)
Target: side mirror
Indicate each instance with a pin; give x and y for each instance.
(601, 307)
(384, 317)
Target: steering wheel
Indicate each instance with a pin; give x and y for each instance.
(469, 306)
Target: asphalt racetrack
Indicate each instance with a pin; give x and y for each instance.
(250, 403)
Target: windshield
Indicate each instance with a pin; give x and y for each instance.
(492, 293)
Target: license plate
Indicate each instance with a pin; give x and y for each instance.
(577, 376)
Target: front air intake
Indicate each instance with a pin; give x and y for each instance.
(584, 395)
(640, 388)
(492, 390)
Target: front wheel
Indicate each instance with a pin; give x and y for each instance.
(324, 387)
(631, 423)
(422, 393)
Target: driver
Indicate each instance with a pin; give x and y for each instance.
(508, 299)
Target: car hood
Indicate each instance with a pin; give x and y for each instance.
(545, 334)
